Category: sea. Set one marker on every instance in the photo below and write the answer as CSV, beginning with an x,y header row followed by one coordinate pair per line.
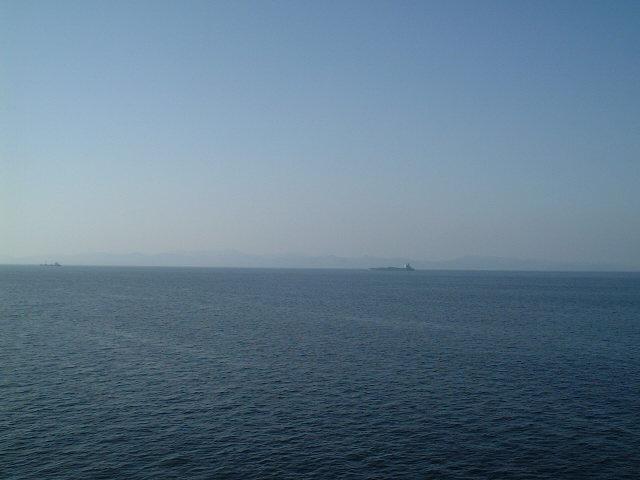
x,y
198,373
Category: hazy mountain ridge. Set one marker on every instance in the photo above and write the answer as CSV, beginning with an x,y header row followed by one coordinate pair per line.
x,y
232,258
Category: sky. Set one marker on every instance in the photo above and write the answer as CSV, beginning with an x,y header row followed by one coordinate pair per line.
x,y
423,129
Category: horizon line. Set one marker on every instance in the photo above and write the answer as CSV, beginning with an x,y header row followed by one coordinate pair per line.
x,y
231,267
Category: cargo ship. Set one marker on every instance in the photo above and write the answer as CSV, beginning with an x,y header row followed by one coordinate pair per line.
x,y
407,268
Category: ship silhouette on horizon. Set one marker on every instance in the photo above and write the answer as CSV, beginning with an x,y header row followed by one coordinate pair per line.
x,y
407,268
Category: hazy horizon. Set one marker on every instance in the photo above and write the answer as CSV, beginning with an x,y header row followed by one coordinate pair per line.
x,y
422,130
237,259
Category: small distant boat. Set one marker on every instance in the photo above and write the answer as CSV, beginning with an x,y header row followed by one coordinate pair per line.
x,y
407,268
54,264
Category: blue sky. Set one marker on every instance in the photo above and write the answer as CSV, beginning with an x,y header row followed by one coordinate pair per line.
x,y
420,129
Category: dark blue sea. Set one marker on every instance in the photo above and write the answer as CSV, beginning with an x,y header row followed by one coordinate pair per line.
x,y
154,373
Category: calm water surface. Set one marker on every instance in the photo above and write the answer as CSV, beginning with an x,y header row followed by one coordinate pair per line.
x,y
145,373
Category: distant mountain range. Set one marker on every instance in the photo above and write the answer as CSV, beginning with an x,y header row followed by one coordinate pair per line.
x,y
231,258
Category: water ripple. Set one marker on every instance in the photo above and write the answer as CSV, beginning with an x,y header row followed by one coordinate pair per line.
x,y
204,373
